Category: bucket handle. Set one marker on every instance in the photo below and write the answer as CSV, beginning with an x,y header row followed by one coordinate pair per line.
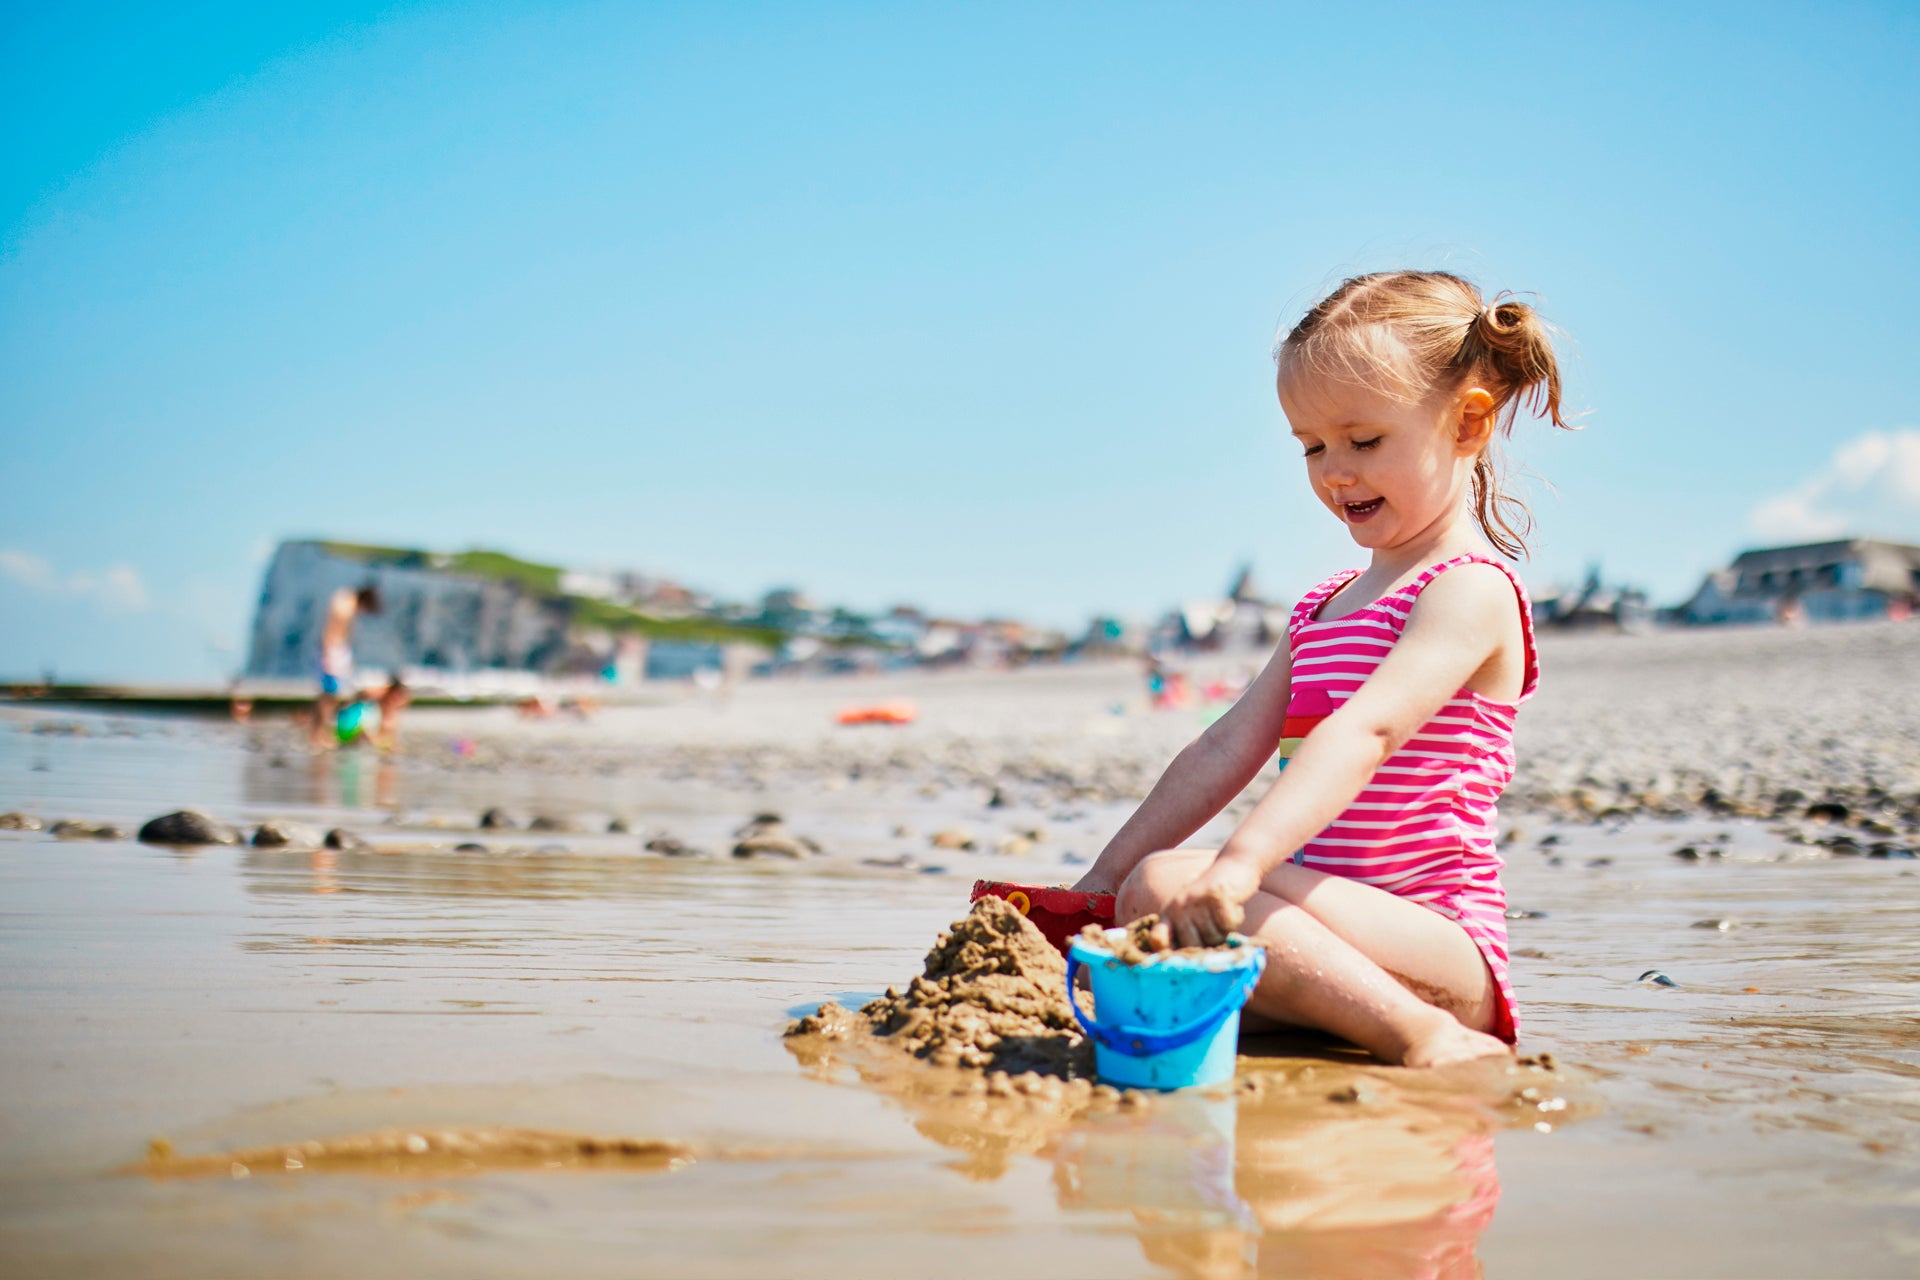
x,y
1141,1042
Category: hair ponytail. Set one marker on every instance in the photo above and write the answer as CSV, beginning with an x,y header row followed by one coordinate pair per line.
x,y
1445,334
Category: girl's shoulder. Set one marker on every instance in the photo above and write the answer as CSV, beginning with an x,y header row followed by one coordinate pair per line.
x,y
1485,590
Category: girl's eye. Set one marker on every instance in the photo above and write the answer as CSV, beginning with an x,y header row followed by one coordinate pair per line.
x,y
1366,444
1313,449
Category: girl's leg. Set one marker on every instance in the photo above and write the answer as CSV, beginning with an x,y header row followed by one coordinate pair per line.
x,y
1393,977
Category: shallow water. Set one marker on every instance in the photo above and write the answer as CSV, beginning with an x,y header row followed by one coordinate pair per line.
x,y
1759,1118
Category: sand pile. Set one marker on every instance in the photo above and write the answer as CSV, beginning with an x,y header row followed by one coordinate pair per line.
x,y
992,998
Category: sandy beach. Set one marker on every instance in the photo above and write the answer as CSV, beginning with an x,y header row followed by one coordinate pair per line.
x,y
573,1043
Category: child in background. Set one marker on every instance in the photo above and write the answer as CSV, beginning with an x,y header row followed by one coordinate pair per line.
x,y
1369,869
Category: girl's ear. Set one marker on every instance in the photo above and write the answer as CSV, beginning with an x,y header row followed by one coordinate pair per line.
x,y
1473,428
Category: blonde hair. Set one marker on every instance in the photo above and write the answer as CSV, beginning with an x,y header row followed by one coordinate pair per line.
x,y
1416,332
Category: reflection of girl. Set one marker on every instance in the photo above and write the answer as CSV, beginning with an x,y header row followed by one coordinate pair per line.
x,y
1369,867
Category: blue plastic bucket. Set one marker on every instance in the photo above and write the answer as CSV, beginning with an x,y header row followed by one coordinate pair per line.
x,y
1170,1022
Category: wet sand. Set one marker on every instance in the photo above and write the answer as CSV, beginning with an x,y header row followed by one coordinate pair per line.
x,y
1759,1118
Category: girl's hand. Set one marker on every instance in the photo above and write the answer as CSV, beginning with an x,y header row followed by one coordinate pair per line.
x,y
1211,907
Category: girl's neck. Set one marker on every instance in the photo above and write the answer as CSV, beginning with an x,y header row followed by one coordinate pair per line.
x,y
1450,536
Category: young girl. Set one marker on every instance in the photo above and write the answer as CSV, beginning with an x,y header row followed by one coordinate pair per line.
x,y
1368,869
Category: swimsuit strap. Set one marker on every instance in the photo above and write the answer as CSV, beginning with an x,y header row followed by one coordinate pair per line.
x,y
1310,603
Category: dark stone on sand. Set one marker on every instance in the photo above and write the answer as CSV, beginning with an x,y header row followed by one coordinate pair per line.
x,y
1550,839
1717,925
1655,978
341,838
767,837
498,820
672,847
1886,850
898,862
998,800
1828,811
20,822
1599,862
618,827
188,826
70,829
1517,913
470,847
547,822
280,833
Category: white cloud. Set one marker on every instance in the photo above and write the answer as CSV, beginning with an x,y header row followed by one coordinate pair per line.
x,y
116,589
1871,484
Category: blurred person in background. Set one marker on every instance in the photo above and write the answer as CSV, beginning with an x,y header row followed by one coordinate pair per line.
x,y
344,608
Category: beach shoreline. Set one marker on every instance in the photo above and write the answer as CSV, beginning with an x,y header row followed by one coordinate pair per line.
x,y
1754,1118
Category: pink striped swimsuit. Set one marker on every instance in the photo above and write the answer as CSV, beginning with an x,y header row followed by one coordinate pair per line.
x,y
1424,826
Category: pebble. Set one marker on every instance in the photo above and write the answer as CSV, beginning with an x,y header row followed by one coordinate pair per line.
x,y
1721,925
347,841
20,822
69,829
281,833
188,826
953,838
498,820
1655,978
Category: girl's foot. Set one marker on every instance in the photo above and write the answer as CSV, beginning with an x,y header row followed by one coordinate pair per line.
x,y
1450,1042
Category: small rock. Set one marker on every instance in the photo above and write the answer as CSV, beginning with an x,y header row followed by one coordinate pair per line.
x,y
1517,913
547,822
758,822
671,847
20,822
1552,838
1720,925
767,837
1687,853
1827,811
953,838
1655,978
188,826
1599,862
470,846
343,839
998,800
1531,953
618,827
498,820
68,829
282,833
1075,859
898,862
1350,1093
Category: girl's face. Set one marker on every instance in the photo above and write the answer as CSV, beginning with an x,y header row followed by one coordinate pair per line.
x,y
1390,470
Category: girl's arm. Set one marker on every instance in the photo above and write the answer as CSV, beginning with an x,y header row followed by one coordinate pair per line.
x,y
1212,769
1462,623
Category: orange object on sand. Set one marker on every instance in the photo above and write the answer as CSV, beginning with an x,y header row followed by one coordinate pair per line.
x,y
880,713
1058,913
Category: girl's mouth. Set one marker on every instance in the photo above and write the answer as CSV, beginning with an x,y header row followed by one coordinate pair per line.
x,y
1361,512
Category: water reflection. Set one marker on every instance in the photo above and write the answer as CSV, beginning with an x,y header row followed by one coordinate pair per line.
x,y
1231,1187
1323,1166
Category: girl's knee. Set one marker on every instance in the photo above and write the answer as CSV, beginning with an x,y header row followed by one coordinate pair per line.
x,y
1154,881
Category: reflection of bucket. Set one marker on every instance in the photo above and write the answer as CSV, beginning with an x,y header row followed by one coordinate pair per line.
x,y
1169,1022
1175,1163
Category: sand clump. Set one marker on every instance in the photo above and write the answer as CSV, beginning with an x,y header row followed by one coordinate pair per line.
x,y
1137,943
992,998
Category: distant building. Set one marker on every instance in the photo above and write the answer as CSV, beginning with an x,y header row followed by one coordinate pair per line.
x,y
1820,581
470,612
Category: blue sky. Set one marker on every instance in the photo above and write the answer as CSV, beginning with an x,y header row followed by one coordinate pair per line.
x,y
969,305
